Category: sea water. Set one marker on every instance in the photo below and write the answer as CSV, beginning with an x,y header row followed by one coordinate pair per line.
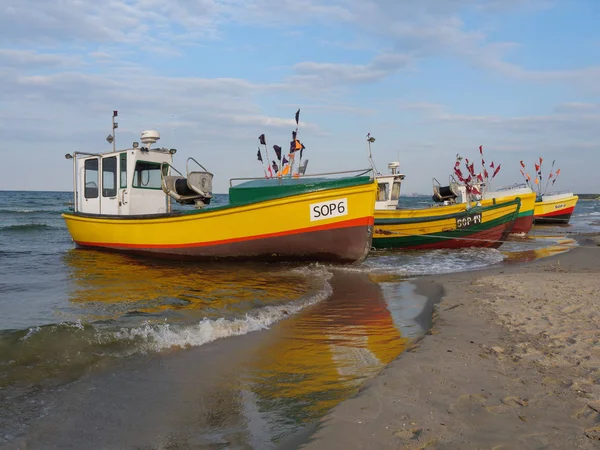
x,y
102,350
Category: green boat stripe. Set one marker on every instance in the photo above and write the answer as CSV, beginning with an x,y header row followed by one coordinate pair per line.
x,y
274,188
526,213
474,210
421,239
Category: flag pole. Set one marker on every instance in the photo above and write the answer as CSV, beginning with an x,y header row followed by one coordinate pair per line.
x,y
277,150
259,156
293,154
484,172
263,140
541,161
548,182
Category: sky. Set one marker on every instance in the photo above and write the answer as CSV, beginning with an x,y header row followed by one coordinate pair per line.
x,y
428,79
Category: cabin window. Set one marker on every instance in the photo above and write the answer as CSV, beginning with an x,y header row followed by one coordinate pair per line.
x,y
91,178
109,177
396,190
146,175
123,170
382,192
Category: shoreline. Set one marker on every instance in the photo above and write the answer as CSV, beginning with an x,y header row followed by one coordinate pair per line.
x,y
512,361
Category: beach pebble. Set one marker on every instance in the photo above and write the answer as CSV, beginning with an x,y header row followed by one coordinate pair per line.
x,y
409,434
515,401
593,433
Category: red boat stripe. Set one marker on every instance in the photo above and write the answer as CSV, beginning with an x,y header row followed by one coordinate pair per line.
x,y
558,212
363,221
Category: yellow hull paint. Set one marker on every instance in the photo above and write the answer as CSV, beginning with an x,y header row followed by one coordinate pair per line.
x,y
557,210
221,227
525,220
436,227
527,202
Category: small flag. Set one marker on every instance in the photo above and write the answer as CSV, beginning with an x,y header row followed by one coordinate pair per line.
x,y
472,169
480,177
301,150
277,149
537,168
259,156
541,160
115,113
522,164
275,168
481,150
297,116
270,171
557,172
284,162
492,165
485,173
295,145
550,176
537,181
261,139
496,171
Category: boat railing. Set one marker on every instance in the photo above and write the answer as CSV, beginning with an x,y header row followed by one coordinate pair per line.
x,y
357,172
187,165
513,186
558,193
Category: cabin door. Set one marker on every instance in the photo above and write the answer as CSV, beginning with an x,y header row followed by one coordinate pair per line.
x,y
123,193
109,203
89,182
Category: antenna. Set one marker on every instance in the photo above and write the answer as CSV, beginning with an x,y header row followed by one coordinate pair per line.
x,y
370,140
115,125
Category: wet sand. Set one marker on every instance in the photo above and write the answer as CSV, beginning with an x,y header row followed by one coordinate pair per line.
x,y
512,361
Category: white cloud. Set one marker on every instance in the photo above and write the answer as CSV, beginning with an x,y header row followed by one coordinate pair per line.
x,y
327,75
31,59
577,107
65,66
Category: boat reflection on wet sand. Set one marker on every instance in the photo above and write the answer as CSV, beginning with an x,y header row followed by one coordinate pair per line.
x,y
247,390
550,245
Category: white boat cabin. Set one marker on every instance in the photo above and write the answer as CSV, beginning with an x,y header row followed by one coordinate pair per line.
x,y
388,188
456,192
134,181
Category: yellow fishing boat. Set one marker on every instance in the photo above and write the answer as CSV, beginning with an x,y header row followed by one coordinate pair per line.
x,y
468,223
123,202
555,208
551,207
452,226
478,186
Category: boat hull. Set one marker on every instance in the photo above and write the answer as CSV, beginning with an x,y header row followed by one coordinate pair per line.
x,y
556,210
524,221
277,229
445,227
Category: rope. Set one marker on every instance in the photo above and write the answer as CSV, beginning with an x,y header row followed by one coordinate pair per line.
x,y
494,241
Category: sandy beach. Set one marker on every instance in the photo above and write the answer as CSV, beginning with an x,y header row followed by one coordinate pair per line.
x,y
512,362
